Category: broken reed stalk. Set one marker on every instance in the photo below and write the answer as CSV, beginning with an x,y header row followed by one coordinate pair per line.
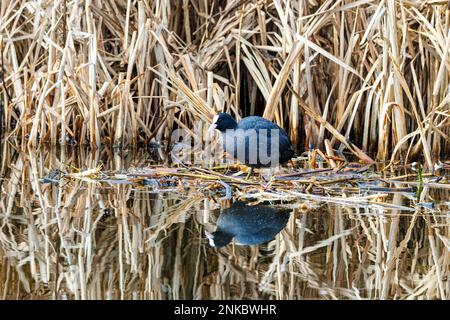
x,y
375,73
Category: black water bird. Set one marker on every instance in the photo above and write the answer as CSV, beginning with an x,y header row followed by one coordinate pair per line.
x,y
254,141
248,225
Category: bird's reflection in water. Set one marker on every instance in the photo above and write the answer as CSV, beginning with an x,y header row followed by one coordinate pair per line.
x,y
248,225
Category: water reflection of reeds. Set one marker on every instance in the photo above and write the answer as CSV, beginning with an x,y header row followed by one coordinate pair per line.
x,y
87,240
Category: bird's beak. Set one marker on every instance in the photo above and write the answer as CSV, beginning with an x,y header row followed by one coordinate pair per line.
x,y
211,128
210,238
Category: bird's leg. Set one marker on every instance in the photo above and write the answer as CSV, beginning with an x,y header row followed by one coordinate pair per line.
x,y
272,172
250,172
270,175
292,163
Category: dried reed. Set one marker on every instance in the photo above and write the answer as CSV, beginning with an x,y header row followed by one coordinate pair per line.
x,y
76,237
371,76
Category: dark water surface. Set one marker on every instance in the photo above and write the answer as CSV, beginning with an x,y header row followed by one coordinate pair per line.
x,y
105,238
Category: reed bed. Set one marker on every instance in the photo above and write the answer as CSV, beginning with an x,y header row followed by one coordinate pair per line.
x,y
361,81
87,235
368,76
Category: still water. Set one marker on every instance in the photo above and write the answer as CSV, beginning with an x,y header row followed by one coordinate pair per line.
x,y
119,238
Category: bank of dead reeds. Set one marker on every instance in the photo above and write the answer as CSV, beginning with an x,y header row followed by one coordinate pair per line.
x,y
371,76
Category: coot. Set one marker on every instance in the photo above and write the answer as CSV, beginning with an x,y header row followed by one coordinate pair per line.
x,y
248,225
254,141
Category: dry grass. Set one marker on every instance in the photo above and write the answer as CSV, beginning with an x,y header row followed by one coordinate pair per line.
x,y
78,238
370,76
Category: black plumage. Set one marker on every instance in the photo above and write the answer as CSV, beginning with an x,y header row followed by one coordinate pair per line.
x,y
254,141
248,225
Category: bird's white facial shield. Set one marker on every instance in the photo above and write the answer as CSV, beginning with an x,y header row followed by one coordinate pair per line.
x,y
213,126
210,238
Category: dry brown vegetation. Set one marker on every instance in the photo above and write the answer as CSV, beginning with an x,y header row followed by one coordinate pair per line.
x,y
76,238
371,76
